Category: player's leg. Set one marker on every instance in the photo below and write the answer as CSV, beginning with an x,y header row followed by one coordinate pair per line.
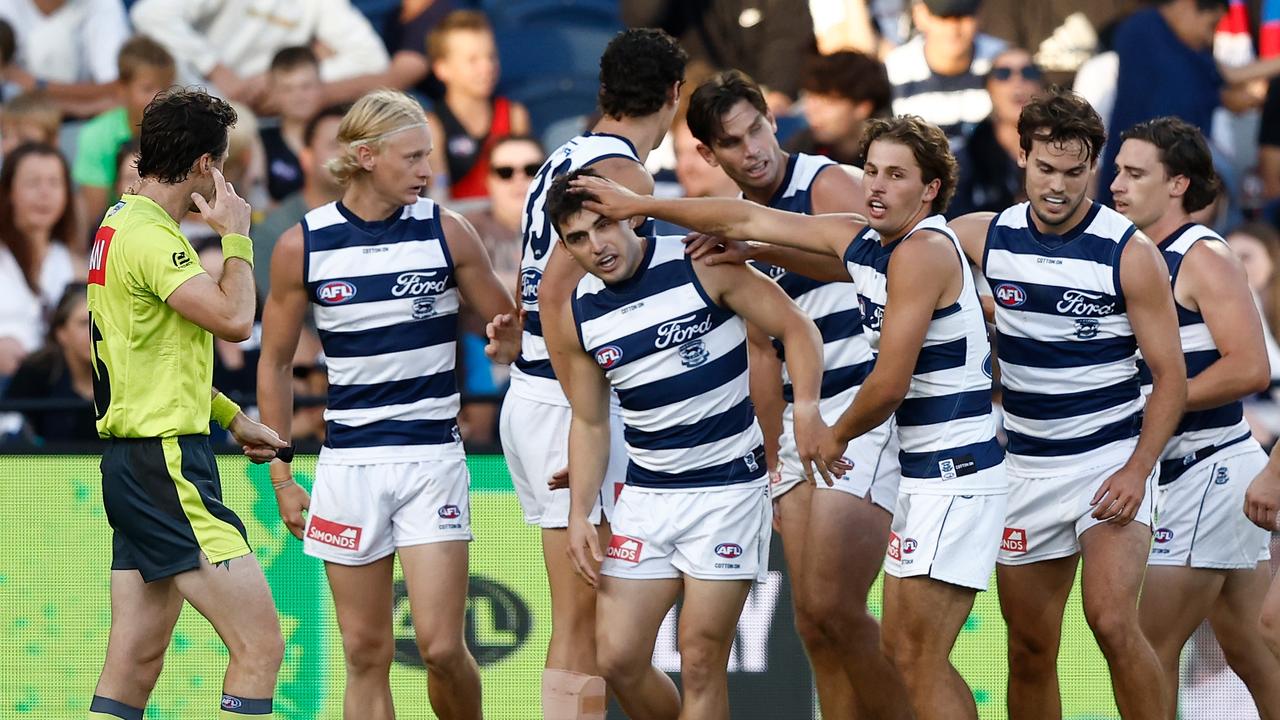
x,y
835,692
362,601
436,576
922,619
142,618
844,549
234,597
1033,598
571,683
629,613
1234,618
1115,559
1175,600
708,621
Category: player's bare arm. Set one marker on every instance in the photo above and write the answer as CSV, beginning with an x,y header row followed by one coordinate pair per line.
x,y
922,276
224,308
1262,500
971,230
588,393
764,375
729,218
281,325
562,273
760,302
481,287
1212,281
1144,280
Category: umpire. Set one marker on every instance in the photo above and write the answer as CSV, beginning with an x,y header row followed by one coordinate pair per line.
x,y
153,316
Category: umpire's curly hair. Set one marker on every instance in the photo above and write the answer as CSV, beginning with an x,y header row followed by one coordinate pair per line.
x,y
637,70
178,127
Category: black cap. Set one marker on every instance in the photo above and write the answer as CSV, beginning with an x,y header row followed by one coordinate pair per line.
x,y
952,8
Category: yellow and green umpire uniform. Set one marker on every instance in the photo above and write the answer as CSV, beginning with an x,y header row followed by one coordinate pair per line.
x,y
153,371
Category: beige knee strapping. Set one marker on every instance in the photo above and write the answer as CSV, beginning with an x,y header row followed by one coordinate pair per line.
x,y
570,695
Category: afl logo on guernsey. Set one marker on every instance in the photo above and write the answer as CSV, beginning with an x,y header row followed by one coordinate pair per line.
x,y
729,550
608,356
1010,295
335,292
529,281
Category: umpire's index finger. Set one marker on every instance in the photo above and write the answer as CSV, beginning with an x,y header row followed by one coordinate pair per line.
x,y
219,183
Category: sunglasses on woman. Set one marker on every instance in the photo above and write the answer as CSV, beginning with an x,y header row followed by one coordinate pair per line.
x,y
506,172
1028,72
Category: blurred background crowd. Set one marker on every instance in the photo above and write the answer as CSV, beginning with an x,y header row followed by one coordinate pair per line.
x,y
506,80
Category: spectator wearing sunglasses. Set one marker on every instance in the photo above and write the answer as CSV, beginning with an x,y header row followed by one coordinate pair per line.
x,y
990,179
511,163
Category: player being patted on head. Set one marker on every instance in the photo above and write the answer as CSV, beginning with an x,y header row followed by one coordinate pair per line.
x,y
694,517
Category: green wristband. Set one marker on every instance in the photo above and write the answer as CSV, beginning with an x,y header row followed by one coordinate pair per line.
x,y
223,409
237,246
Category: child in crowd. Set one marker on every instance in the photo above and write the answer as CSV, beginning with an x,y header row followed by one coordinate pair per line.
x,y
464,56
295,90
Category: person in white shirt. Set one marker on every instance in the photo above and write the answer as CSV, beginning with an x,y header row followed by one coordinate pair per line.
x,y
230,43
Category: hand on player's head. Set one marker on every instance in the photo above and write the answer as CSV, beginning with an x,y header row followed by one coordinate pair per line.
x,y
605,197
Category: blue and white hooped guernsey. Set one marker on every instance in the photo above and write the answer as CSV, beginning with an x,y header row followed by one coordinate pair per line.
x,y
678,362
1201,432
946,428
386,308
532,376
1068,357
833,306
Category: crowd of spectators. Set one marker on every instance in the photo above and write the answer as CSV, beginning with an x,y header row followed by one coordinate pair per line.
x,y
505,80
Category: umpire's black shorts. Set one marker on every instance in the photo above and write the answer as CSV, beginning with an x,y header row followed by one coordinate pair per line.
x,y
164,502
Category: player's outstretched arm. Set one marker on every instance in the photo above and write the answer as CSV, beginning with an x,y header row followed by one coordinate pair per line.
x,y
224,308
921,269
971,230
281,325
1216,283
760,302
729,218
1144,280
588,392
482,288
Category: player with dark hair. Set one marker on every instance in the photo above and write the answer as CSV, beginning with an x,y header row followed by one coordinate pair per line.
x,y
640,75
834,542
1208,561
153,316
667,334
1078,292
923,316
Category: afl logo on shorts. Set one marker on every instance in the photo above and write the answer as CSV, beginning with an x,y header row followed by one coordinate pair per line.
x,y
335,292
608,356
729,550
1164,535
1009,295
449,512
909,546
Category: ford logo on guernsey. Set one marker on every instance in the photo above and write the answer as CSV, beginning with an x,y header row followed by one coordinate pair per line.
x,y
675,332
1010,295
608,356
449,511
729,550
530,278
335,292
